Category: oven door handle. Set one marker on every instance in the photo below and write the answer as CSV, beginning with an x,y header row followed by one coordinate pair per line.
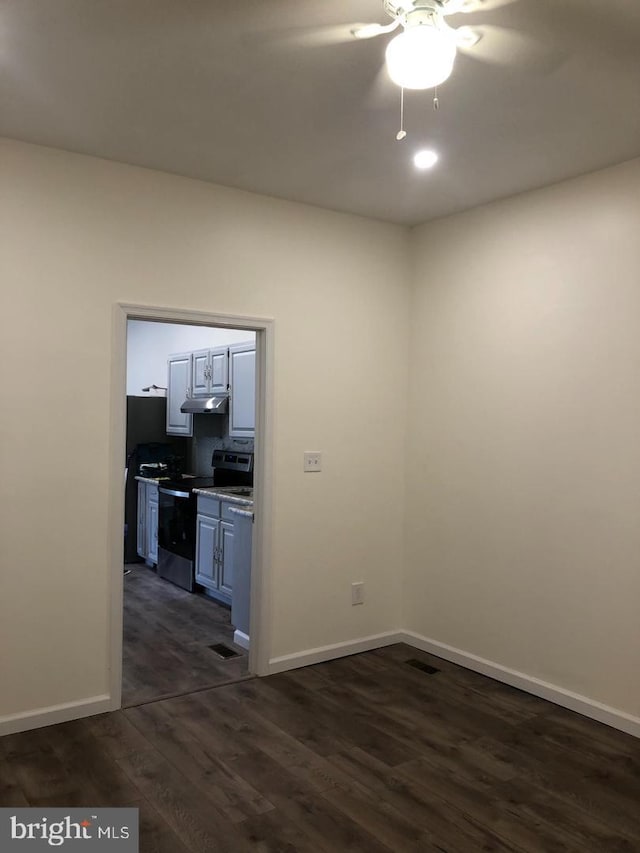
x,y
174,493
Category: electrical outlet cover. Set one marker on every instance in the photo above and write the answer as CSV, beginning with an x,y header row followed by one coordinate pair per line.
x,y
312,460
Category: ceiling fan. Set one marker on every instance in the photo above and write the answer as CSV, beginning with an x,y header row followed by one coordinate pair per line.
x,y
423,54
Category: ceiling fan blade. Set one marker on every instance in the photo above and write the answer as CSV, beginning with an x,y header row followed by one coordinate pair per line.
x,y
327,36
369,31
470,7
502,46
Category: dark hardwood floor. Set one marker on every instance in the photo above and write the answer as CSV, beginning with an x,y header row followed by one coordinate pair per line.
x,y
367,753
167,634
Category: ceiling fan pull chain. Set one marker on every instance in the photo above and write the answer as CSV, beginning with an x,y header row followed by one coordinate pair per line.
x,y
436,101
402,133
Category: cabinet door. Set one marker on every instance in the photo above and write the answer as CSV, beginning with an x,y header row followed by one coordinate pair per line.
x,y
219,364
142,520
207,537
242,400
152,523
178,381
240,604
226,557
200,382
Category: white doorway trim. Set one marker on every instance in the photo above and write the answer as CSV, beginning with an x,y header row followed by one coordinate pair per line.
x,y
260,620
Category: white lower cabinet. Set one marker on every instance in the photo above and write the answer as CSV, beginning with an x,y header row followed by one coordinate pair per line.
x,y
226,558
142,520
207,530
240,607
214,548
152,523
148,521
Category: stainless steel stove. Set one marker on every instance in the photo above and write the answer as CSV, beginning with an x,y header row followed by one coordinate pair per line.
x,y
177,513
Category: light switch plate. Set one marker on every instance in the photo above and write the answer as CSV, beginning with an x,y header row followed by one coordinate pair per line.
x,y
357,592
312,460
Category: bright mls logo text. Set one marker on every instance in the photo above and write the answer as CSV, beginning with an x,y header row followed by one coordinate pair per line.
x,y
104,829
56,833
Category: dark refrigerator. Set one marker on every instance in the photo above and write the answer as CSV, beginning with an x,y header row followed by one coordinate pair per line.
x,y
147,441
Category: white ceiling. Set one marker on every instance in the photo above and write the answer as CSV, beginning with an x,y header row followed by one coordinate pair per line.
x,y
250,94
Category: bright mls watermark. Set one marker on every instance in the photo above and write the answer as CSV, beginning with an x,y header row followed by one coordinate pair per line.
x,y
33,830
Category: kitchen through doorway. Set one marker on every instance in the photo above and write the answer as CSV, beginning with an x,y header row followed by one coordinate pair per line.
x,y
189,507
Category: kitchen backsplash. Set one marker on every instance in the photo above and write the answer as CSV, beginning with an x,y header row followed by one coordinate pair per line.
x,y
206,439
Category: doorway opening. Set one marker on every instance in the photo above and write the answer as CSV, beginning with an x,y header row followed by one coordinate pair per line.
x,y
192,580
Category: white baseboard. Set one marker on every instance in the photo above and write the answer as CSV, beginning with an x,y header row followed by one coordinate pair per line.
x,y
337,650
241,639
558,695
26,721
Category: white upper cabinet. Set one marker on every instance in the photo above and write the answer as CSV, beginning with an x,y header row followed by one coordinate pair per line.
x,y
242,389
200,373
210,372
178,389
219,370
214,372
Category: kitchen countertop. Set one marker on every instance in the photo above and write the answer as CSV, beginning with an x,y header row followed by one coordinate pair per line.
x,y
243,511
243,504
225,495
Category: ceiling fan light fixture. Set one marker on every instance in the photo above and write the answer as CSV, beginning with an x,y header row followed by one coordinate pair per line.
x,y
421,57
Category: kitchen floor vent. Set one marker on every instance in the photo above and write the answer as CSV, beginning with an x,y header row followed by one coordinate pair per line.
x,y
223,651
422,666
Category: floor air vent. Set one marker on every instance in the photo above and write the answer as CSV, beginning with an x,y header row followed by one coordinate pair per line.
x,y
224,651
422,666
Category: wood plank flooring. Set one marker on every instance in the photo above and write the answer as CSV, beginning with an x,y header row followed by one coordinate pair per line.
x,y
365,754
167,634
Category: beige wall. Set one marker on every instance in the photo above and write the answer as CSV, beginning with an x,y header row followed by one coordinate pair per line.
x,y
522,528
80,234
523,525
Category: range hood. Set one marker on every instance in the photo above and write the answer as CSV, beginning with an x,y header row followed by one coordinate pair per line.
x,y
205,405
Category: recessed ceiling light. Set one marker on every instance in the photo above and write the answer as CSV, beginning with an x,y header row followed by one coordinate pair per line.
x,y
425,159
